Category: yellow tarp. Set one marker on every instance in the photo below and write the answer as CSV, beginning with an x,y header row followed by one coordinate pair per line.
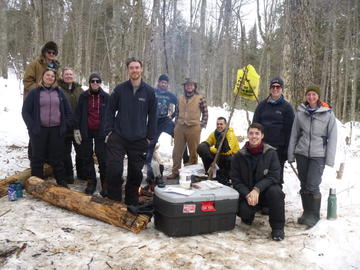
x,y
251,84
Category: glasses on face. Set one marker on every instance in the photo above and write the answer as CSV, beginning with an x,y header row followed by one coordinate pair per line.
x,y
275,87
51,52
95,81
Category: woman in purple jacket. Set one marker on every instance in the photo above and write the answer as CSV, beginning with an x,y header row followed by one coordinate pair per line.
x,y
47,115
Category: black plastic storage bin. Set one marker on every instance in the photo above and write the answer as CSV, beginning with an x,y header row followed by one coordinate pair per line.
x,y
204,211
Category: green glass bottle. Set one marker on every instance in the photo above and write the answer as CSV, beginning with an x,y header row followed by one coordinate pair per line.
x,y
332,204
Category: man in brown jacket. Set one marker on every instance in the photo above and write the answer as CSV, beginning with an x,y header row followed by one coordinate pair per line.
x,y
191,107
35,69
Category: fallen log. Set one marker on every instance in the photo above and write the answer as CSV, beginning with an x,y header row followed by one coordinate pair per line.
x,y
20,177
106,210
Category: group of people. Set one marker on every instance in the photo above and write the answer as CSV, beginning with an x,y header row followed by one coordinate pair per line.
x,y
59,114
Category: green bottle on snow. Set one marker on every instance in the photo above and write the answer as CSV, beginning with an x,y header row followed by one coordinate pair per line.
x,y
332,204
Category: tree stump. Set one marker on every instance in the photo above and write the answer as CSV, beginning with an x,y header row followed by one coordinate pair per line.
x,y
20,177
106,210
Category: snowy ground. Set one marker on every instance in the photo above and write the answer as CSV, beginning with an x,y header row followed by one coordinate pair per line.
x,y
54,238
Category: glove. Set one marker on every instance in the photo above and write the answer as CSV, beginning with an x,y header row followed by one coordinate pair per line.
x,y
107,137
77,136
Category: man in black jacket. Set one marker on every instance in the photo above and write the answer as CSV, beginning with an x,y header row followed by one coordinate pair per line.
x,y
255,174
130,125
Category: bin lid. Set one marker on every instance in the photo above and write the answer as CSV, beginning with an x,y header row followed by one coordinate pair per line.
x,y
217,194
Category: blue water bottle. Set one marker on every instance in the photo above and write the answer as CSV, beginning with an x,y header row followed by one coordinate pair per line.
x,y
19,190
12,192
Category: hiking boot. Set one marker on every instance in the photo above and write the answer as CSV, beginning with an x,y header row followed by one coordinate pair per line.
x,y
172,176
70,179
277,234
91,187
247,221
62,183
190,163
159,181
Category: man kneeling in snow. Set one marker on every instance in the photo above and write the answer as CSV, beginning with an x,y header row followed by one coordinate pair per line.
x,y
255,174
208,149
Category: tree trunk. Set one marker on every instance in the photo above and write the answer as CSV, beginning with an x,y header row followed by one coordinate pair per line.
x,y
106,210
20,177
3,40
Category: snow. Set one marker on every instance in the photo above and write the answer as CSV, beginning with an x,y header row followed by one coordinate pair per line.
x,y
54,238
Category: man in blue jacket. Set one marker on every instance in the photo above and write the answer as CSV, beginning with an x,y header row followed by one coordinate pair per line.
x,y
130,126
164,119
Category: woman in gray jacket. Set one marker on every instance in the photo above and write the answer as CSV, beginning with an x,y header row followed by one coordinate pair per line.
x,y
313,145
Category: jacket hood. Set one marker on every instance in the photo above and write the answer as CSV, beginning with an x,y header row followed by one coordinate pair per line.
x,y
321,109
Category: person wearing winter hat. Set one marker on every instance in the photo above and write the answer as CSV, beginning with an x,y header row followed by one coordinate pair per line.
x,y
35,69
165,102
90,132
313,145
277,116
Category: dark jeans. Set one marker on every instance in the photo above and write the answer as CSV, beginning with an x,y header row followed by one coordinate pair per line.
x,y
68,164
87,152
224,162
47,146
116,149
273,197
310,171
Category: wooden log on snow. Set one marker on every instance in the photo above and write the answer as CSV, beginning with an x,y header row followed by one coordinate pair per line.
x,y
20,177
106,210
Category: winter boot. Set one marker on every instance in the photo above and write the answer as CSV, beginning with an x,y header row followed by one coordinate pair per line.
x,y
277,234
159,181
91,187
305,199
314,210
62,183
103,191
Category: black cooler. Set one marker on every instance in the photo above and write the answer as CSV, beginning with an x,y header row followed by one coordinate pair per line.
x,y
204,211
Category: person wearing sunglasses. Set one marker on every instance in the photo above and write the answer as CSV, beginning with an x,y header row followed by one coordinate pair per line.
x,y
34,71
277,117
90,132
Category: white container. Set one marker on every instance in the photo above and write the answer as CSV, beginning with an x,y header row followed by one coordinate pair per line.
x,y
185,181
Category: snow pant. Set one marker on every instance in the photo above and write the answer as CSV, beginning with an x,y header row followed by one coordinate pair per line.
x,y
310,170
183,135
282,155
274,197
68,164
48,146
116,149
87,152
224,161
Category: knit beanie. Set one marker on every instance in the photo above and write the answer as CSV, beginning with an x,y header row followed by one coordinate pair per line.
x,y
164,77
313,88
94,75
51,45
277,80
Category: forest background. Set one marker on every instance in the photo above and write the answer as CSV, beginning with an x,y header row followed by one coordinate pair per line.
x,y
303,41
